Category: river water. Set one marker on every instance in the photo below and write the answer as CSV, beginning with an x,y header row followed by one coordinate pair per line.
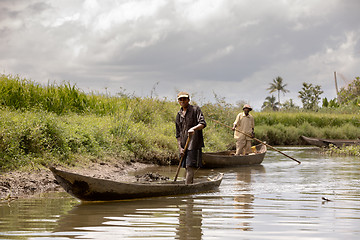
x,y
276,200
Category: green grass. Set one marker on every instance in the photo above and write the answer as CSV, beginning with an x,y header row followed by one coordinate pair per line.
x,y
347,151
44,138
61,124
285,128
318,120
23,94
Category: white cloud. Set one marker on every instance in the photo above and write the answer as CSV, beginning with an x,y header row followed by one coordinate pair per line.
x,y
60,21
198,11
220,53
129,11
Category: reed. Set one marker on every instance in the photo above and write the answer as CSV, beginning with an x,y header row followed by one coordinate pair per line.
x,y
318,120
23,94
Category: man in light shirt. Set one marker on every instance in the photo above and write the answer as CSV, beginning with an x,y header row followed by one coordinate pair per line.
x,y
244,122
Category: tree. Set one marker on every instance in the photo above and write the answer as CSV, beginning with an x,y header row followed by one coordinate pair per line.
x,y
330,104
351,93
277,85
270,103
325,103
289,105
310,96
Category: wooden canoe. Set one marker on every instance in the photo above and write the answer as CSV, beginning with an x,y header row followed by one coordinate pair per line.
x,y
326,142
88,188
229,159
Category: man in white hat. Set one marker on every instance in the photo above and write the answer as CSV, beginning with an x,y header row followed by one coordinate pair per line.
x,y
190,121
244,122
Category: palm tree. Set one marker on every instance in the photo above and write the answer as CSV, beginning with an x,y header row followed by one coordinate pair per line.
x,y
277,85
270,103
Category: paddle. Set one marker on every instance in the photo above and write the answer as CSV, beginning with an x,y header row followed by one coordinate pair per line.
x,y
182,157
257,141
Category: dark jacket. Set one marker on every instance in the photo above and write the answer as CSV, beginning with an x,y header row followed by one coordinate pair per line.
x,y
193,117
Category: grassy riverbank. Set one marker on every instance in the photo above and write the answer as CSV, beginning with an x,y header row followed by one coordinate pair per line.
x,y
38,137
61,124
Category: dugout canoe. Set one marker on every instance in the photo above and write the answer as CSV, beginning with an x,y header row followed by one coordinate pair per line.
x,y
229,159
319,142
88,188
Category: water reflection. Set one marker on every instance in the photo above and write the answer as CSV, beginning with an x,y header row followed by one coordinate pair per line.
x,y
89,215
245,200
178,215
25,214
190,220
33,215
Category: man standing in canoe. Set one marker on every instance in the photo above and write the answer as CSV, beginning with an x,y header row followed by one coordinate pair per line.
x,y
190,121
244,122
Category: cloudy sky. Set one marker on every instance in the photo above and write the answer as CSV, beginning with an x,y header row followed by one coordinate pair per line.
x,y
234,48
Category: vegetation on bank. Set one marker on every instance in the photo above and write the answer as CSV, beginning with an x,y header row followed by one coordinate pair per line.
x,y
352,150
42,138
285,128
61,124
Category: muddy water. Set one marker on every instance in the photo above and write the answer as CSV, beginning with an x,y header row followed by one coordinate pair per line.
x,y
276,200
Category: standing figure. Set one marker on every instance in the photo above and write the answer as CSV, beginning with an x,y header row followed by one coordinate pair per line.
x,y
190,121
244,122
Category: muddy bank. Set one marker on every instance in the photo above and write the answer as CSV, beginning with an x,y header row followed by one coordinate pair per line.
x,y
18,184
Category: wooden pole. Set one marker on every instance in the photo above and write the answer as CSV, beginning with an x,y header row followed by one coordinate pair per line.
x,y
336,87
264,143
182,157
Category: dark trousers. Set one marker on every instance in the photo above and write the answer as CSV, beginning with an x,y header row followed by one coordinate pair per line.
x,y
192,158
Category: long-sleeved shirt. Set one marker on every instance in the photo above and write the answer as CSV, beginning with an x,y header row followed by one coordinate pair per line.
x,y
244,124
193,116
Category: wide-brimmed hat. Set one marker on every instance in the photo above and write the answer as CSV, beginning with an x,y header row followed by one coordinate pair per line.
x,y
247,106
183,95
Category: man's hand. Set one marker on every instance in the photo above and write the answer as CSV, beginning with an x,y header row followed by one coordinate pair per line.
x,y
191,131
182,152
